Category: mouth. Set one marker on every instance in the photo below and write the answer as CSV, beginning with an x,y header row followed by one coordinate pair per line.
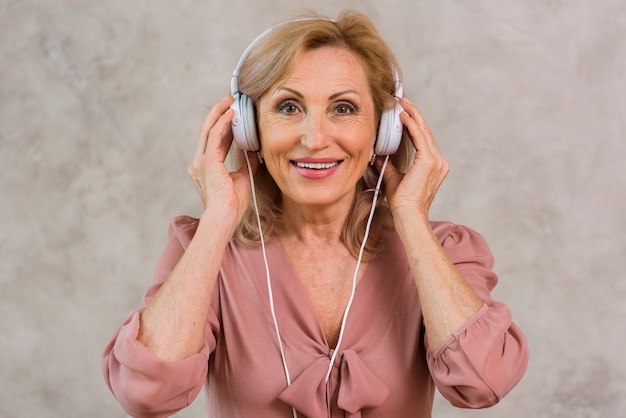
x,y
316,166
316,169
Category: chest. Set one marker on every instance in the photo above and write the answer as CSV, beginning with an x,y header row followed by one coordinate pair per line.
x,y
328,283
385,329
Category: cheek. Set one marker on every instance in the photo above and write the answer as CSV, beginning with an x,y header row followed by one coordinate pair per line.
x,y
365,127
275,144
272,136
364,139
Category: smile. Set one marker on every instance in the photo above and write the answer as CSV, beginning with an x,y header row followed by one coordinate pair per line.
x,y
316,166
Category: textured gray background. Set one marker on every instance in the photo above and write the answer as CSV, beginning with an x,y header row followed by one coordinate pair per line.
x,y
100,105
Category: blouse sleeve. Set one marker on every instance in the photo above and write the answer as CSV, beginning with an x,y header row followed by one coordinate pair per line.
x,y
485,358
143,384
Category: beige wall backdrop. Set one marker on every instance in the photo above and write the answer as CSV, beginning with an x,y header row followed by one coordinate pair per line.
x,y
100,105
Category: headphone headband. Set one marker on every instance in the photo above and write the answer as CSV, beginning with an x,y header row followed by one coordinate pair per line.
x,y
234,81
244,124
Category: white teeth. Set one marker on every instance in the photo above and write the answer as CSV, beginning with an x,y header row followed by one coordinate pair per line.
x,y
316,166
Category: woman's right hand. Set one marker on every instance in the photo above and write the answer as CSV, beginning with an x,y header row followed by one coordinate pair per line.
x,y
173,323
222,192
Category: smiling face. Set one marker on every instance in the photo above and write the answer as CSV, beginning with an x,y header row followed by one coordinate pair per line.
x,y
317,128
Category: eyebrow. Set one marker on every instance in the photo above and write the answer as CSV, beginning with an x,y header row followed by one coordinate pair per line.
x,y
332,96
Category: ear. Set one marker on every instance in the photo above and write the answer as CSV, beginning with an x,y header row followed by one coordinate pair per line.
x,y
373,155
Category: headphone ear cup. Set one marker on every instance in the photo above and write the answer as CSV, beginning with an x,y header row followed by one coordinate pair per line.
x,y
389,132
244,123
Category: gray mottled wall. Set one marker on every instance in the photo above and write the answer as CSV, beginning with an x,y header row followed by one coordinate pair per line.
x,y
100,105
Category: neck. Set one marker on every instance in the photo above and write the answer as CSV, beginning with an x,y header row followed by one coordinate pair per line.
x,y
313,225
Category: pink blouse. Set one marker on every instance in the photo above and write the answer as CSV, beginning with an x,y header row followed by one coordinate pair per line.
x,y
384,368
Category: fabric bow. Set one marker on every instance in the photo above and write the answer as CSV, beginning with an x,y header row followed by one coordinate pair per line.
x,y
358,388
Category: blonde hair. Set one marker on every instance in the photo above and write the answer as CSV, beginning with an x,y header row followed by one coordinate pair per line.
x,y
273,59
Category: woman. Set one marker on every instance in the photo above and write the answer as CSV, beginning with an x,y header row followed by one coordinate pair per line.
x,y
338,324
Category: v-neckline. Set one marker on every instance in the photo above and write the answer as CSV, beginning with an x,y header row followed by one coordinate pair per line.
x,y
384,279
308,309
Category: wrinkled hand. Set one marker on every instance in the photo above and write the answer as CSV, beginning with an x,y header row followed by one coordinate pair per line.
x,y
221,191
416,189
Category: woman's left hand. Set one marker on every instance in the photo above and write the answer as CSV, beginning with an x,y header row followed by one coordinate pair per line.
x,y
446,298
415,190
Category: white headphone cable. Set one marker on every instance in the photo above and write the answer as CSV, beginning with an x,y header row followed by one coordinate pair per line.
x,y
269,282
356,271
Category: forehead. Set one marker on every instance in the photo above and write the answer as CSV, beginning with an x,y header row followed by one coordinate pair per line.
x,y
327,68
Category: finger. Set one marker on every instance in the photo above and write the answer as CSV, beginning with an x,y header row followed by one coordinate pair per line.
x,y
211,119
221,136
422,137
414,118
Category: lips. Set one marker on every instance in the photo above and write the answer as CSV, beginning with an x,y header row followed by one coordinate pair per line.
x,y
316,166
316,169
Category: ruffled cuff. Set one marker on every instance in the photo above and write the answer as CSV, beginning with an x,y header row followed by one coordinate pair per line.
x,y
482,361
148,386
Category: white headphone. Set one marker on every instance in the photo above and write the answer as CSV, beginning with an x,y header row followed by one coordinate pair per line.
x,y
244,120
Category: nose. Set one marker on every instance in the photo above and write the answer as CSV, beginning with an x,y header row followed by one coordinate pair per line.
x,y
316,131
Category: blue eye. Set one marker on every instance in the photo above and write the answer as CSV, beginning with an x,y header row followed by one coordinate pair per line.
x,y
288,106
